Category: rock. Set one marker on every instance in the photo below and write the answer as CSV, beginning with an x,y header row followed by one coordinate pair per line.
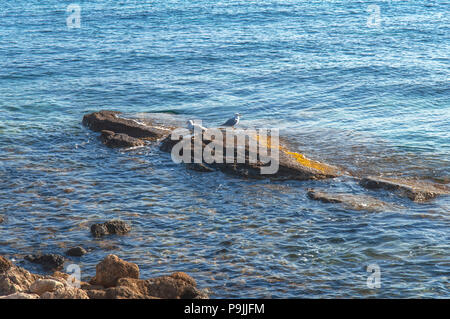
x,y
48,261
114,140
110,121
5,264
44,285
125,293
2,219
291,165
112,268
175,286
14,279
199,167
350,201
415,190
20,295
65,292
114,227
96,294
76,251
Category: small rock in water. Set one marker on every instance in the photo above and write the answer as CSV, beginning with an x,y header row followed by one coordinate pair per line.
x,y
351,201
49,261
2,219
416,190
111,139
76,251
114,227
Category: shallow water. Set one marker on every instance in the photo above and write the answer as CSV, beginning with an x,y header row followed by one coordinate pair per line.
x,y
371,100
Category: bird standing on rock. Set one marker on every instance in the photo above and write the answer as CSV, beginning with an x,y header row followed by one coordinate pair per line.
x,y
192,126
233,121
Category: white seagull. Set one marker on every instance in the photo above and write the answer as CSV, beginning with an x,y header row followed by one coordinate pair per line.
x,y
192,126
233,121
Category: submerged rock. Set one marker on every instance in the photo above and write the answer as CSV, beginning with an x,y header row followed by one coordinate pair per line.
x,y
48,261
112,268
114,140
351,201
114,227
415,190
76,251
110,121
2,219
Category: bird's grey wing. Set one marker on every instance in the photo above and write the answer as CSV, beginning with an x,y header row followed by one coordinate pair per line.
x,y
230,122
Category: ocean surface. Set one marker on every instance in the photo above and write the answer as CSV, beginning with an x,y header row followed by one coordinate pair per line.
x,y
345,86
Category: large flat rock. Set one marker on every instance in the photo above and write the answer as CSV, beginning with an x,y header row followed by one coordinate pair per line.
x,y
416,190
291,165
111,121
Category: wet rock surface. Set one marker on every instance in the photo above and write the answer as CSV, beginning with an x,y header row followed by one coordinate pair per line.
x,y
76,251
111,121
2,219
291,165
114,279
48,261
350,201
114,140
114,227
418,191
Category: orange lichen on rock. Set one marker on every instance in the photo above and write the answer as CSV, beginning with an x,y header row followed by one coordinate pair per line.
x,y
300,158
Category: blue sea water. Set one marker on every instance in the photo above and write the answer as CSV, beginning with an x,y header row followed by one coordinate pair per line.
x,y
345,86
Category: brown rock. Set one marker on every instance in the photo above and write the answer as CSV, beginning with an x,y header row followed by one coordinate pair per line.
x,y
185,277
350,201
114,140
43,285
112,268
110,121
20,295
177,286
96,294
15,279
122,292
2,219
66,292
291,165
5,264
415,190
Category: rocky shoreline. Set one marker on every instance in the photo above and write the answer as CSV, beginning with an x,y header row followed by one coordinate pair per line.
x,y
118,279
114,279
117,131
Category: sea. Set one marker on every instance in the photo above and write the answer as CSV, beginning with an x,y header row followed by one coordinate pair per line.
x,y
362,85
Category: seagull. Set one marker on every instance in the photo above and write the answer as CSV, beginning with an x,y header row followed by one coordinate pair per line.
x,y
233,121
192,126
